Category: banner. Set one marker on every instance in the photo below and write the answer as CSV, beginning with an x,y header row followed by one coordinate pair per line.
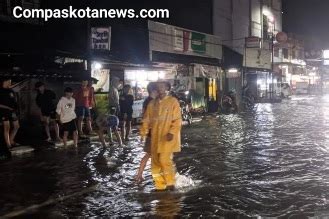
x,y
258,58
253,42
179,40
198,42
101,38
170,39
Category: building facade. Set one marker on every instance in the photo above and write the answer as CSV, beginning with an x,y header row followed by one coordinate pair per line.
x,y
249,27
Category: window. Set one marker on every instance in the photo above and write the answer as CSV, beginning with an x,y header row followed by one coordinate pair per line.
x,y
268,28
265,27
293,55
276,52
285,53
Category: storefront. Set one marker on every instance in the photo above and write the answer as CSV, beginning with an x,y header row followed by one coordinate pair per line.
x,y
139,79
301,78
263,82
197,56
263,85
205,80
233,80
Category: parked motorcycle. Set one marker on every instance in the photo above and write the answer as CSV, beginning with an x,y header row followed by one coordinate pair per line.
x,y
185,108
248,101
185,111
285,91
228,103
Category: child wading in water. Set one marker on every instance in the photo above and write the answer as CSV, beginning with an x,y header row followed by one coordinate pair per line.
x,y
108,123
152,90
67,117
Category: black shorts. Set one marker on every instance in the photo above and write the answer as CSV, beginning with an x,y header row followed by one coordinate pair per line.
x,y
70,126
8,115
126,116
49,113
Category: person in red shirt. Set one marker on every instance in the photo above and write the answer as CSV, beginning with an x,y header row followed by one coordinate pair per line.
x,y
84,97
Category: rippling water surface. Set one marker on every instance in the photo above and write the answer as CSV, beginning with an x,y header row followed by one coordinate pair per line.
x,y
270,162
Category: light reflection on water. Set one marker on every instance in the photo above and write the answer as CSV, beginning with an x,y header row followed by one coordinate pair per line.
x,y
270,162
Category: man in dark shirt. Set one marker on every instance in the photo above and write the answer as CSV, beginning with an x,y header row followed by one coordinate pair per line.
x,y
45,100
8,112
126,102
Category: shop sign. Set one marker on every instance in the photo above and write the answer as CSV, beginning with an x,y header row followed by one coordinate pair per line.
x,y
281,37
187,40
181,40
253,42
258,58
101,38
198,42
170,39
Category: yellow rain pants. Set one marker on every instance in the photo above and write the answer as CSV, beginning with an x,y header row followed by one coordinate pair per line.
x,y
163,117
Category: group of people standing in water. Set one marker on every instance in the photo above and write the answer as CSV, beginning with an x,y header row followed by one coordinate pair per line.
x,y
160,129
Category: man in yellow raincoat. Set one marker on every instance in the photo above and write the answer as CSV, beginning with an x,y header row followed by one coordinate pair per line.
x,y
163,120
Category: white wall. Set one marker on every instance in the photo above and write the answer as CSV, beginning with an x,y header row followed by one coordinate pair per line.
x,y
222,21
241,23
232,19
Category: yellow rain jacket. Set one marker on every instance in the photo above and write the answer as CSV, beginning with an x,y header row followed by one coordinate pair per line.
x,y
163,117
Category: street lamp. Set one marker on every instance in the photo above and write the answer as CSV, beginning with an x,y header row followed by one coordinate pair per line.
x,y
233,70
98,66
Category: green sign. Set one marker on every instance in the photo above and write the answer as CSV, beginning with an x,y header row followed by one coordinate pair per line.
x,y
198,42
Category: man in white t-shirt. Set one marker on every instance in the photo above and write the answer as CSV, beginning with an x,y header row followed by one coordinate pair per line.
x,y
67,117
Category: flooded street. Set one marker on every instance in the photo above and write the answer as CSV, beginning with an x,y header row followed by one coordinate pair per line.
x,y
270,162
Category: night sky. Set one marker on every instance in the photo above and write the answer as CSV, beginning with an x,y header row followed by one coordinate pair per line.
x,y
307,17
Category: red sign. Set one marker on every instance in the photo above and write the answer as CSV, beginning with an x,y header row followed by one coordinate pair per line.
x,y
253,42
281,37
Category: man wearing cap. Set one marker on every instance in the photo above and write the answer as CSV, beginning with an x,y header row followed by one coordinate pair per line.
x,y
163,118
8,112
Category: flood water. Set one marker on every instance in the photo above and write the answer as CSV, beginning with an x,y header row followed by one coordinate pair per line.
x,y
270,162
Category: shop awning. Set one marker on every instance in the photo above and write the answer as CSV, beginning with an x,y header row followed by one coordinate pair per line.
x,y
53,65
183,59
